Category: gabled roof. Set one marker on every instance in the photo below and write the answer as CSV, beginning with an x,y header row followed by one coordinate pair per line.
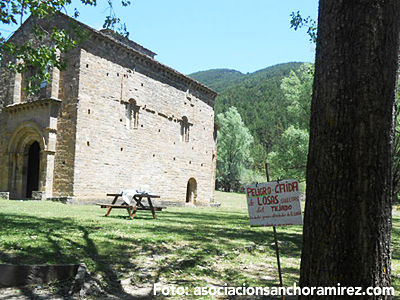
x,y
139,50
113,35
147,55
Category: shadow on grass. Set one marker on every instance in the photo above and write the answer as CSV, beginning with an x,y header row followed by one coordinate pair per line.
x,y
54,234
229,227
203,233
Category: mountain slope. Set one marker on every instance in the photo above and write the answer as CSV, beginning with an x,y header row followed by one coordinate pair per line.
x,y
257,96
218,79
259,100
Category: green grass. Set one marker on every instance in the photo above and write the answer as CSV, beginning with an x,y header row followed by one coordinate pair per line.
x,y
188,246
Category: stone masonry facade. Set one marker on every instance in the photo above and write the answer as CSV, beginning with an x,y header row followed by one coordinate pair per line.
x,y
114,119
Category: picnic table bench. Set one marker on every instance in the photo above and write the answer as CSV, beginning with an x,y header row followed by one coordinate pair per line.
x,y
133,208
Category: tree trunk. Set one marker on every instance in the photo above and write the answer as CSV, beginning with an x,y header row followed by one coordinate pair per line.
x,y
347,223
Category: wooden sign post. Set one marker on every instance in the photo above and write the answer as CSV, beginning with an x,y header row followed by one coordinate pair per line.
x,y
276,243
274,203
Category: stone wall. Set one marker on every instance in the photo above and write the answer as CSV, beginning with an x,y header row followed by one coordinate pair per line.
x,y
111,154
117,119
64,162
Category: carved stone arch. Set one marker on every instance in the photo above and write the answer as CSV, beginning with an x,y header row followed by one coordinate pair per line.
x,y
20,156
25,134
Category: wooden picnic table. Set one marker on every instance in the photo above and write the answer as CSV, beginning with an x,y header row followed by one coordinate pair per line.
x,y
133,208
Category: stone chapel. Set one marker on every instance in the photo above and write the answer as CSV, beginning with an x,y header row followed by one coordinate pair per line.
x,y
115,118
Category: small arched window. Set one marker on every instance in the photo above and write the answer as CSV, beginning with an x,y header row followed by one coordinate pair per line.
x,y
132,114
185,129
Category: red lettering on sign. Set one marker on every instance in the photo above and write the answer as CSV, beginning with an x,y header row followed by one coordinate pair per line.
x,y
287,187
267,200
281,207
253,192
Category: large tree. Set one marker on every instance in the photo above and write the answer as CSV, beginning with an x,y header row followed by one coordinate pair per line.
x,y
288,157
347,224
234,141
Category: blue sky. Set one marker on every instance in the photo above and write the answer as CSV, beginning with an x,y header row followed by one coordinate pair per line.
x,y
198,35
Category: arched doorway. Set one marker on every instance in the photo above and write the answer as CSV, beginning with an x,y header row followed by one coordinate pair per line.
x,y
26,161
32,176
191,191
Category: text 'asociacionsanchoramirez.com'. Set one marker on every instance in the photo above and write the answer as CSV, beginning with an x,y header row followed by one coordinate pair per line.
x,y
173,290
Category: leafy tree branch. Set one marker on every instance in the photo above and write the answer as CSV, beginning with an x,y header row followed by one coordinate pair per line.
x,y
37,58
298,21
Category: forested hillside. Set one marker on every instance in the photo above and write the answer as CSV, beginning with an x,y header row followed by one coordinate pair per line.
x,y
218,79
259,100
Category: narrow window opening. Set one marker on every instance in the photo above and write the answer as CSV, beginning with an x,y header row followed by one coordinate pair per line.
x,y
185,129
132,114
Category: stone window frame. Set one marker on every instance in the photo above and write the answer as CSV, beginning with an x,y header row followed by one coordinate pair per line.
x,y
132,114
185,129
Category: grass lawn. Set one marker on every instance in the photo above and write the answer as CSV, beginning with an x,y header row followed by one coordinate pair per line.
x,y
186,246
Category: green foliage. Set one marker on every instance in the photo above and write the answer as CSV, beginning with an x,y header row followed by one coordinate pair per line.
x,y
249,176
234,141
298,21
297,88
261,103
37,58
112,20
290,158
270,101
218,79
